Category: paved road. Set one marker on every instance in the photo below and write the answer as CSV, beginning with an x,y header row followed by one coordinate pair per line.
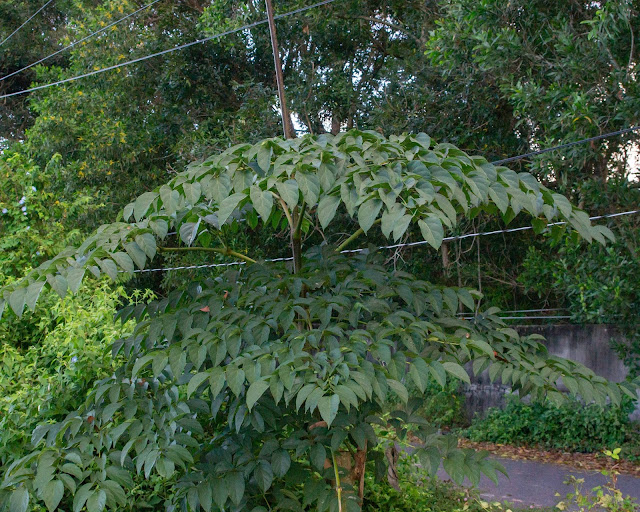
x,y
535,483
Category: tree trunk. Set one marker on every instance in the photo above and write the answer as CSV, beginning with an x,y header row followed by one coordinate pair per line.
x,y
445,256
335,125
354,465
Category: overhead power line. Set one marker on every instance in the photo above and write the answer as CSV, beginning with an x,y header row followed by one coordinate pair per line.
x,y
514,311
496,232
30,18
107,27
395,246
169,50
557,317
567,145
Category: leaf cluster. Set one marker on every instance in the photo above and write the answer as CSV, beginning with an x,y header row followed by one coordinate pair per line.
x,y
240,388
396,182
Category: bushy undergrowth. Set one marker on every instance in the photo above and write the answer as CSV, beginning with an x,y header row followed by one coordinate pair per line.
x,y
420,493
415,493
45,377
570,427
444,406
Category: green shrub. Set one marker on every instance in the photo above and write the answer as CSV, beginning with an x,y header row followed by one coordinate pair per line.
x,y
571,426
420,492
444,406
417,492
51,377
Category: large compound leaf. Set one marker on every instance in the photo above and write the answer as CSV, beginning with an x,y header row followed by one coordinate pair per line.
x,y
400,180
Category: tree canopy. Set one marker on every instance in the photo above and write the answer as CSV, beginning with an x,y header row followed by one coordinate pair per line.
x,y
395,182
205,397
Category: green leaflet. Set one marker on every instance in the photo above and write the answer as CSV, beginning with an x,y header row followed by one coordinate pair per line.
x,y
255,391
368,212
262,201
401,226
217,188
288,190
81,497
19,501
328,407
309,186
235,485
108,267
192,192
235,379
419,372
16,300
74,278
264,157
228,205
142,204
195,382
52,494
97,501
399,389
280,462
432,231
124,261
327,209
136,253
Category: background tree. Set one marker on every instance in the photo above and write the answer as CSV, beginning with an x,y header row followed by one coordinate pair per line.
x,y
387,66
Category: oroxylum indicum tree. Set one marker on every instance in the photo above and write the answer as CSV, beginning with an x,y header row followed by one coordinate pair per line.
x,y
262,388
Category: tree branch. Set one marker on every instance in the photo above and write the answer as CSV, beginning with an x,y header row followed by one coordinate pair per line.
x,y
285,209
355,235
220,250
386,23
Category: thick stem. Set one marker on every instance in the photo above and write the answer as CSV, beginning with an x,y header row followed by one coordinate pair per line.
x,y
286,211
294,230
445,257
296,238
220,250
337,474
298,225
296,243
361,463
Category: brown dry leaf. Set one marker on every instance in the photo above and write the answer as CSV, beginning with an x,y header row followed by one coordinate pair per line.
x,y
583,461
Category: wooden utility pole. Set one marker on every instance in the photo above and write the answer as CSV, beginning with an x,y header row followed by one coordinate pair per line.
x,y
286,119
298,213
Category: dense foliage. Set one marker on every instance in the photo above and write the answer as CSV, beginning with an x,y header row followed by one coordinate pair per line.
x,y
398,183
388,66
568,427
491,77
237,390
48,376
418,491
32,220
596,284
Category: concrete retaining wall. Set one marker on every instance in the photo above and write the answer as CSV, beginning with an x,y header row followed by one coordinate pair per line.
x,y
586,344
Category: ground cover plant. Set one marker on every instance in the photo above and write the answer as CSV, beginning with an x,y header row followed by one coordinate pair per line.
x,y
572,426
260,388
417,491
